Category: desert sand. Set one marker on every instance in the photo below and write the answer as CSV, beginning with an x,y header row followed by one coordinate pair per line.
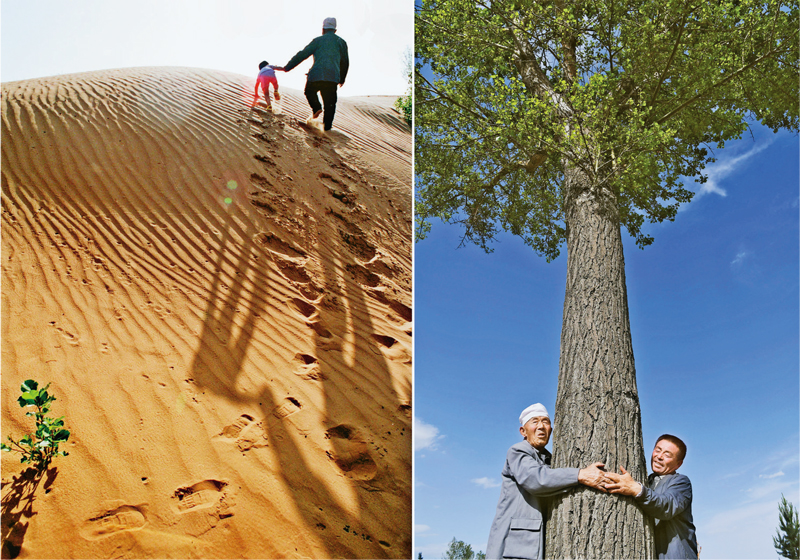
x,y
221,299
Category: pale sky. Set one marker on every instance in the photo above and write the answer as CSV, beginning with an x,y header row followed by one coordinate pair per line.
x,y
51,37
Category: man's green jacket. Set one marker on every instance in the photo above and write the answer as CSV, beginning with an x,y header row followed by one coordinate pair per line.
x,y
330,59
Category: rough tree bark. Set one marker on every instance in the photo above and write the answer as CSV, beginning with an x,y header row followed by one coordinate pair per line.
x,y
597,416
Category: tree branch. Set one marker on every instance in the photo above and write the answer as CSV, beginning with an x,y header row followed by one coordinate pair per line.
x,y
663,73
725,80
443,95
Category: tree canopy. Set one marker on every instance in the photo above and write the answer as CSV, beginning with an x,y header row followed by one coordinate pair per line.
x,y
637,93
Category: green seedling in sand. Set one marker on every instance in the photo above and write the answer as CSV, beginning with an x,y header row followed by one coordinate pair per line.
x,y
39,448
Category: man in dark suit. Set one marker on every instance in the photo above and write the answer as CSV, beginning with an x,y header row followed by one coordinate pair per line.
x,y
667,498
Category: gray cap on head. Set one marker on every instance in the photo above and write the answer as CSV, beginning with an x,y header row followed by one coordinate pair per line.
x,y
329,23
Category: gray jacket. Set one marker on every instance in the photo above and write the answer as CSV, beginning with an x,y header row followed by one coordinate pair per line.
x,y
671,506
518,527
330,59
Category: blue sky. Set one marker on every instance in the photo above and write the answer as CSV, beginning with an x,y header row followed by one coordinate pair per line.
x,y
51,37
714,318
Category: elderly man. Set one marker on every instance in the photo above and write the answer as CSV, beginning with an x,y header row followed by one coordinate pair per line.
x,y
668,498
518,527
329,70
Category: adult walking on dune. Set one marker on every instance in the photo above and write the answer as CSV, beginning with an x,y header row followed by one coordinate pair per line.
x,y
327,73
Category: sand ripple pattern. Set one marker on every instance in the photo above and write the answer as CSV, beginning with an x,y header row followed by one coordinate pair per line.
x,y
221,297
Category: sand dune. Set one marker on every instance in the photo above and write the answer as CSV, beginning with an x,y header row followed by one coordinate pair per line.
x,y
221,298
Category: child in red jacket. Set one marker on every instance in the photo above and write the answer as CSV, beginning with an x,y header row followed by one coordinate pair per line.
x,y
266,76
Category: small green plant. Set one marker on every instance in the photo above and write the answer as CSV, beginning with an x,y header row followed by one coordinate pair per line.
x,y
39,448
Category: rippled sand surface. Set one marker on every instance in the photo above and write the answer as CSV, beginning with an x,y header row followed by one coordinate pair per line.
x,y
221,298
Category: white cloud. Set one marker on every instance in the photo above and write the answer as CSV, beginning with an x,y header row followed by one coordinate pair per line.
x,y
773,475
711,186
486,482
724,167
421,529
426,436
740,256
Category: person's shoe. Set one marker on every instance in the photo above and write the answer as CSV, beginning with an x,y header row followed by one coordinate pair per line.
x,y
316,114
269,108
328,127
277,96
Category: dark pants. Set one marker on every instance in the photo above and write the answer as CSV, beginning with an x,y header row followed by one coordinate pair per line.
x,y
328,91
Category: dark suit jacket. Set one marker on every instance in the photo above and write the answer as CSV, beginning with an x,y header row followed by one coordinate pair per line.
x,y
671,506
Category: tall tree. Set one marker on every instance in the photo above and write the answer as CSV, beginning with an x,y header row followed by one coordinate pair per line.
x,y
562,122
787,541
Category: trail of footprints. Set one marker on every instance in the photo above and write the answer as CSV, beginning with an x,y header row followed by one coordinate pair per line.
x,y
350,452
209,496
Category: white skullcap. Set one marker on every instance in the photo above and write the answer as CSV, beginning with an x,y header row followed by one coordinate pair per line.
x,y
329,23
532,411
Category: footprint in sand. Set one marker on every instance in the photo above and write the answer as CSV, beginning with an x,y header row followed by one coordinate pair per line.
x,y
351,453
390,348
307,367
403,311
338,189
123,518
305,308
278,245
246,433
399,312
291,406
363,276
205,494
325,339
295,271
233,431
358,245
266,160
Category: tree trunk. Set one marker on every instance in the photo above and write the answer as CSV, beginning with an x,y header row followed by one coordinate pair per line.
x,y
597,416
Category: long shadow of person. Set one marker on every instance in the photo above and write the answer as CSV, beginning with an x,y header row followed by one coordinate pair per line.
x,y
222,350
357,410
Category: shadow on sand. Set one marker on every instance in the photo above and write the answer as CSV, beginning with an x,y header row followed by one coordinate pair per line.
x,y
226,337
17,505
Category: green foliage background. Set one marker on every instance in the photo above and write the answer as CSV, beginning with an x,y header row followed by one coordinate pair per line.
x,y
638,94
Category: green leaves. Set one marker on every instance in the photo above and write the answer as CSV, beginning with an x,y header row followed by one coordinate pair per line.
x,y
787,540
510,93
39,448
